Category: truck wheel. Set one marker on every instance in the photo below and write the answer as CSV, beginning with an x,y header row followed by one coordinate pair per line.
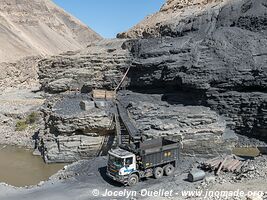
x,y
168,170
133,179
158,172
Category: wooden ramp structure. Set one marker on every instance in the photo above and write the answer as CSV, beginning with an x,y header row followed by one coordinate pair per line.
x,y
126,132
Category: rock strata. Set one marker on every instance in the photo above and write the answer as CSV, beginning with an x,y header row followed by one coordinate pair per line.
x,y
182,18
200,131
100,65
71,133
202,53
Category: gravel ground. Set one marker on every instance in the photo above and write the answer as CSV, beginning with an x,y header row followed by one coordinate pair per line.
x,y
80,180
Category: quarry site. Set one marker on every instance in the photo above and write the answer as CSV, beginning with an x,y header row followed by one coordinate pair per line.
x,y
187,85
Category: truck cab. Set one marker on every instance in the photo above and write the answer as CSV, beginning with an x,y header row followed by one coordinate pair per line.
x,y
121,164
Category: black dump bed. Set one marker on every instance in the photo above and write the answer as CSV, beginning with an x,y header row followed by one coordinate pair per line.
x,y
158,151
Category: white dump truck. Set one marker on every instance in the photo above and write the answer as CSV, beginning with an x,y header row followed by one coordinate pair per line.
x,y
130,163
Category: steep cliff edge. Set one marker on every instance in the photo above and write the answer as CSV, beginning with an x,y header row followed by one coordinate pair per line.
x,y
179,18
39,27
215,48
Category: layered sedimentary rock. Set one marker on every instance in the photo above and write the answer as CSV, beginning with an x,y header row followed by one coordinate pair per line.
x,y
213,57
221,70
200,131
180,18
71,133
101,65
39,27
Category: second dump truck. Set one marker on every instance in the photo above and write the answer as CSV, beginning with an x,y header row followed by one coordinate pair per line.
x,y
129,163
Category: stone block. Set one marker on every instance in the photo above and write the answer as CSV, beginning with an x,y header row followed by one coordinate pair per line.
x,y
87,105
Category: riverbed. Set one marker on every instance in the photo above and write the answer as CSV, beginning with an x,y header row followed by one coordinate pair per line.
x,y
18,167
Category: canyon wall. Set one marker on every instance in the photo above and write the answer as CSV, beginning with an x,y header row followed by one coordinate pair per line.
x,y
213,57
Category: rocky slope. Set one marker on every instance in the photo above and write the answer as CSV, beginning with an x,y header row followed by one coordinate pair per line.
x,y
20,74
39,27
183,17
219,63
101,64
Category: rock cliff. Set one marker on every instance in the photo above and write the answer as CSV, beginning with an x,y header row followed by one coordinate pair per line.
x,y
100,65
200,131
197,53
180,18
70,133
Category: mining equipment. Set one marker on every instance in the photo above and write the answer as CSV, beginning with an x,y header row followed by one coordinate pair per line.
x,y
135,158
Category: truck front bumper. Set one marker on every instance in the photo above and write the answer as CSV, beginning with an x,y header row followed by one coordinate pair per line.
x,y
118,178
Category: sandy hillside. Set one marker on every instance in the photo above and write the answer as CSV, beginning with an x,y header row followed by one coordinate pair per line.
x,y
39,27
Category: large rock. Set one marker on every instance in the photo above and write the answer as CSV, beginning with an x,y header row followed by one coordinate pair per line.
x,y
71,148
200,131
71,133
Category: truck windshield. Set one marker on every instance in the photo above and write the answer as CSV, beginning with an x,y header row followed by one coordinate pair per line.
x,y
118,162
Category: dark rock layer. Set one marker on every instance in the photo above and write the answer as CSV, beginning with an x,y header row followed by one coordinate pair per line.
x,y
71,133
220,62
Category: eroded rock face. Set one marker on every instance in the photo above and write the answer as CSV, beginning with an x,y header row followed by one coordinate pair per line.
x,y
71,133
201,132
71,148
100,65
215,58
181,18
222,71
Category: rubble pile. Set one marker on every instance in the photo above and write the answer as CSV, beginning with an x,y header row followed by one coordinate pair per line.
x,y
251,170
227,164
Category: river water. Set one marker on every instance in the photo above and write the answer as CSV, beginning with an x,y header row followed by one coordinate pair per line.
x,y
18,167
